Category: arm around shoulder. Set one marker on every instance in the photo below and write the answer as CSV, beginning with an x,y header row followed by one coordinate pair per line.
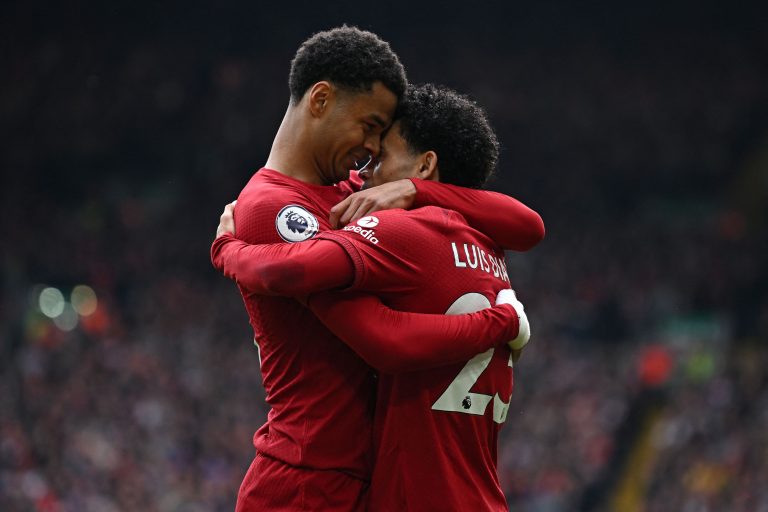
x,y
396,341
507,221
283,269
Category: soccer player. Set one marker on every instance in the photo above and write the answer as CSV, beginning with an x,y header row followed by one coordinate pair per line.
x,y
314,452
436,429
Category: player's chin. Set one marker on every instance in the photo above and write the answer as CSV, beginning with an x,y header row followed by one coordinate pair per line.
x,y
345,167
342,173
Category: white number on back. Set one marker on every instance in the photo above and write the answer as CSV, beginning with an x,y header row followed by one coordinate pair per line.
x,y
457,397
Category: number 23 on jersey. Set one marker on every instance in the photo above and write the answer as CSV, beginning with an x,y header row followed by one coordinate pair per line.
x,y
457,397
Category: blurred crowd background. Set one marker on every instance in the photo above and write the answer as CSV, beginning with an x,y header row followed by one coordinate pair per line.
x,y
128,377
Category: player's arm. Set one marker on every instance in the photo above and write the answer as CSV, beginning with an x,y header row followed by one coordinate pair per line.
x,y
507,221
395,341
390,341
277,268
283,269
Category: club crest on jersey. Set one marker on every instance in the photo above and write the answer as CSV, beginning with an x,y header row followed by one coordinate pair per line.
x,y
295,224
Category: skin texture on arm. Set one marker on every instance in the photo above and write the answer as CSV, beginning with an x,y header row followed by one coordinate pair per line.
x,y
395,194
394,341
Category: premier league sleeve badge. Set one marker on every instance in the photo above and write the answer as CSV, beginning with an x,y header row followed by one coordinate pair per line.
x,y
295,224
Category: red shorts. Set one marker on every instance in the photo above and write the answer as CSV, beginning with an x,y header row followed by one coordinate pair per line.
x,y
271,485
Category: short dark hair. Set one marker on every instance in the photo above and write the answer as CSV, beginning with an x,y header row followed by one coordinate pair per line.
x,y
439,119
349,58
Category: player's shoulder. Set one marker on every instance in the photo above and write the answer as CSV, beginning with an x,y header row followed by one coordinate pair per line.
x,y
267,186
413,228
432,216
270,205
424,217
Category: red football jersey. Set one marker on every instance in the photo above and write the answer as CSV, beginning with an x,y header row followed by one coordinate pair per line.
x,y
320,392
435,431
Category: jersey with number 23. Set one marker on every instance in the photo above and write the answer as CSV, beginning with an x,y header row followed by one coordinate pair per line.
x,y
436,430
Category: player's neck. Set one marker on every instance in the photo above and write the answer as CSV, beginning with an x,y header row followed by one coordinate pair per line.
x,y
289,153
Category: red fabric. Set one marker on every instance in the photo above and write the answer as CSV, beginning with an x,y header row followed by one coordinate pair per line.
x,y
507,221
283,269
277,487
320,392
390,341
427,458
393,342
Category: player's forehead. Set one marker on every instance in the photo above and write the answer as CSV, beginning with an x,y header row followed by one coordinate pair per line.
x,y
377,105
392,139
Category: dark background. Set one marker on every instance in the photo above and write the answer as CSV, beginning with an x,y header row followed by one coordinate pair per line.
x,y
638,131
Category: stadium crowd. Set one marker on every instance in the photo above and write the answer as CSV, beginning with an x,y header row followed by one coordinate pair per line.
x,y
647,162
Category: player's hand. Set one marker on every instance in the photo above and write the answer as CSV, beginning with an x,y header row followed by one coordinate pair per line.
x,y
395,194
227,220
508,296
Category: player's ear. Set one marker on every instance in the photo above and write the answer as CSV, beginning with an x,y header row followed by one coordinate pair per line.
x,y
319,98
428,167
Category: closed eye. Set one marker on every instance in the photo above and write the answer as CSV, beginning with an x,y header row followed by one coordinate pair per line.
x,y
375,123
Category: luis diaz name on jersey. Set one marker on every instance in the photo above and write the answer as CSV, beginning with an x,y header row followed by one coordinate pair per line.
x,y
295,224
364,227
477,258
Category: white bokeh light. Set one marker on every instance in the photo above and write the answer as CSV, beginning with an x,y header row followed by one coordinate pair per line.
x,y
51,302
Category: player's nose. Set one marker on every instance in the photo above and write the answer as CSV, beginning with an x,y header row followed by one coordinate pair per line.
x,y
373,144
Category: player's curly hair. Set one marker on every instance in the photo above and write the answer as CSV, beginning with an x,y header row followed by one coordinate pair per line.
x,y
439,119
347,57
